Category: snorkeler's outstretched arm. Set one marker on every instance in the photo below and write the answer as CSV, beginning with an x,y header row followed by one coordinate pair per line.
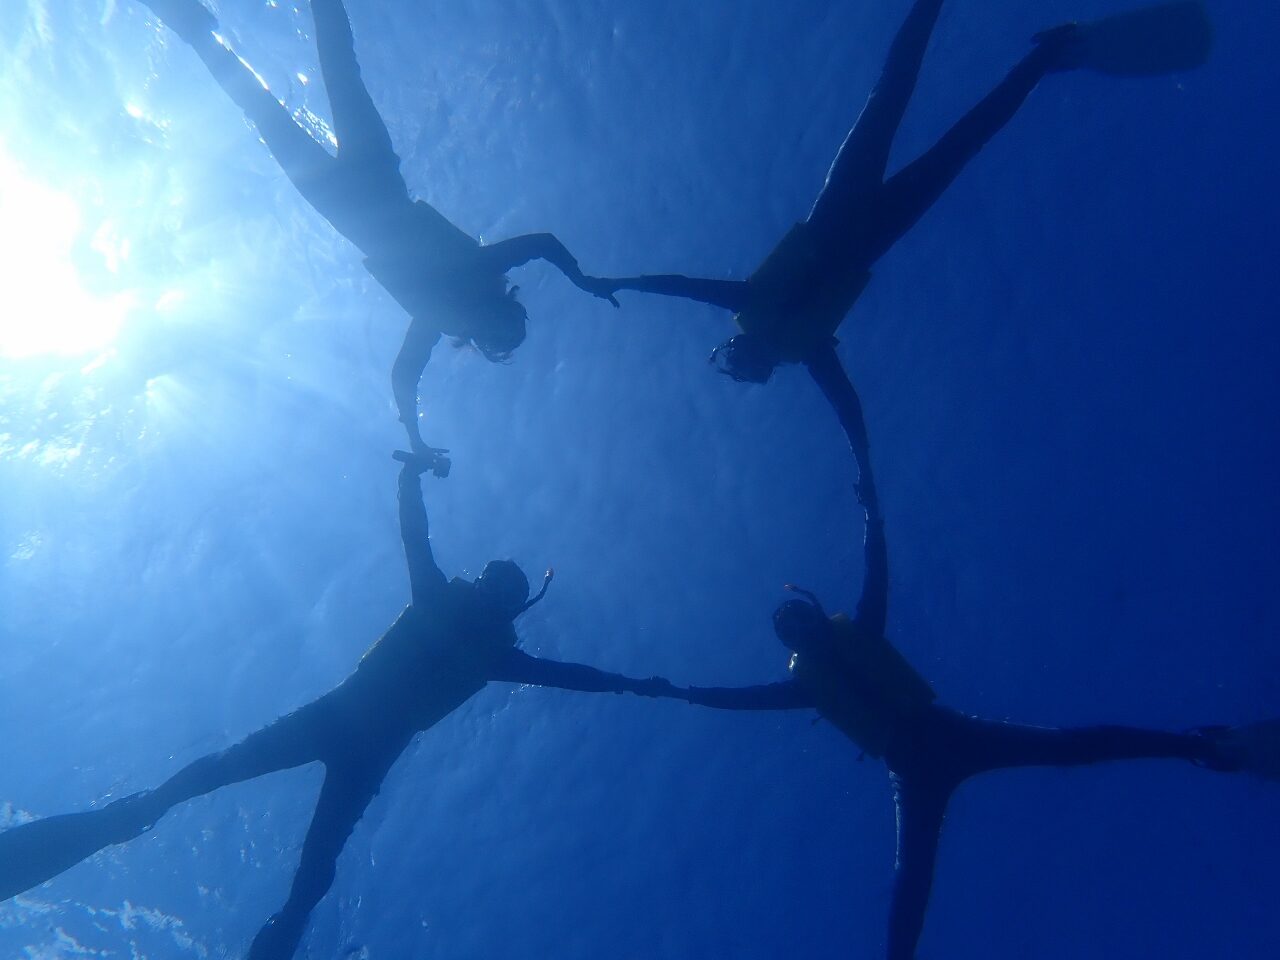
x,y
508,254
830,376
729,294
783,695
827,371
426,580
406,373
520,667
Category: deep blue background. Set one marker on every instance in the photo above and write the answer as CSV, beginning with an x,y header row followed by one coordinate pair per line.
x,y
1069,372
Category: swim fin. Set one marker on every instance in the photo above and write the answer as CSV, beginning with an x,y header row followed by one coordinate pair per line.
x,y
34,852
1253,748
1148,42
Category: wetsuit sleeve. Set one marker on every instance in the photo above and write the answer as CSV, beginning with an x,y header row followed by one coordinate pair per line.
x,y
784,695
520,667
407,372
729,294
426,580
827,371
508,254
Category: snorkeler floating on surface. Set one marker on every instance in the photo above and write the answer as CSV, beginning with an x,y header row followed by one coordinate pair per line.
x,y
845,669
792,303
448,283
453,638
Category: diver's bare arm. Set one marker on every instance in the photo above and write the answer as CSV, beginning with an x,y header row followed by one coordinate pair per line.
x,y
506,254
517,251
827,371
426,580
729,294
406,372
520,667
784,695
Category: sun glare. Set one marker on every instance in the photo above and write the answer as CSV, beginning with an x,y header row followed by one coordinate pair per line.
x,y
44,307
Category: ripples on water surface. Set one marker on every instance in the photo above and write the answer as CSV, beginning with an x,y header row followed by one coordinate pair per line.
x,y
1068,371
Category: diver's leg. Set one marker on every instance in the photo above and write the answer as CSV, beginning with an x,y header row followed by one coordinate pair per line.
x,y
316,176
294,149
859,164
992,744
909,193
35,852
921,806
343,799
362,135
293,740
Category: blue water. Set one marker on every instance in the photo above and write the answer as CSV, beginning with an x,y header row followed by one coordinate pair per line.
x,y
1069,372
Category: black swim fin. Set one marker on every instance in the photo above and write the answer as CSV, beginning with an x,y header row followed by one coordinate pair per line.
x,y
1253,748
34,852
1151,41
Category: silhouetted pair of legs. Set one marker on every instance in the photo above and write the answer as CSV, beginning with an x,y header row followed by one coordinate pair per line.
x,y
360,190
356,757
861,213
934,757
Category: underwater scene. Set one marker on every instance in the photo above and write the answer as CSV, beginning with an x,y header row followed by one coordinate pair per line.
x,y
891,386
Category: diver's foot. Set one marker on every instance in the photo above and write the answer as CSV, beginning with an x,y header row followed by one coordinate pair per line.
x,y
189,19
1062,45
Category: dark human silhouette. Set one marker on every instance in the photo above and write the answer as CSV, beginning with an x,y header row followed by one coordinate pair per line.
x,y
453,638
845,669
448,283
795,300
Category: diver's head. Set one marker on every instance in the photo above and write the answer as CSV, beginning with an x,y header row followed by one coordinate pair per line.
x,y
503,589
500,326
801,625
745,358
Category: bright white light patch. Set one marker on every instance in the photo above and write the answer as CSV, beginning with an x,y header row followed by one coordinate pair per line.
x,y
43,306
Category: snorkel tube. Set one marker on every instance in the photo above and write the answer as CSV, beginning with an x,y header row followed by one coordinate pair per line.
x,y
808,595
546,582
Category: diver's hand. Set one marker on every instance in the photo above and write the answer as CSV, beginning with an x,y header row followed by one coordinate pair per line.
x,y
601,287
656,687
1062,44
426,460
440,463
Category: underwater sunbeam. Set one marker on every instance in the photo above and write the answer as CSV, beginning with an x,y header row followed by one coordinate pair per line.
x,y
44,308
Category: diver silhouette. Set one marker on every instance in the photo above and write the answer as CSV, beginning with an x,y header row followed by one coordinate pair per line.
x,y
797,297
453,638
448,283
845,669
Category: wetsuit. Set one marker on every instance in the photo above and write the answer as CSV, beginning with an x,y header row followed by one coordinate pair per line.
x,y
866,690
442,650
445,279
798,296
933,752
